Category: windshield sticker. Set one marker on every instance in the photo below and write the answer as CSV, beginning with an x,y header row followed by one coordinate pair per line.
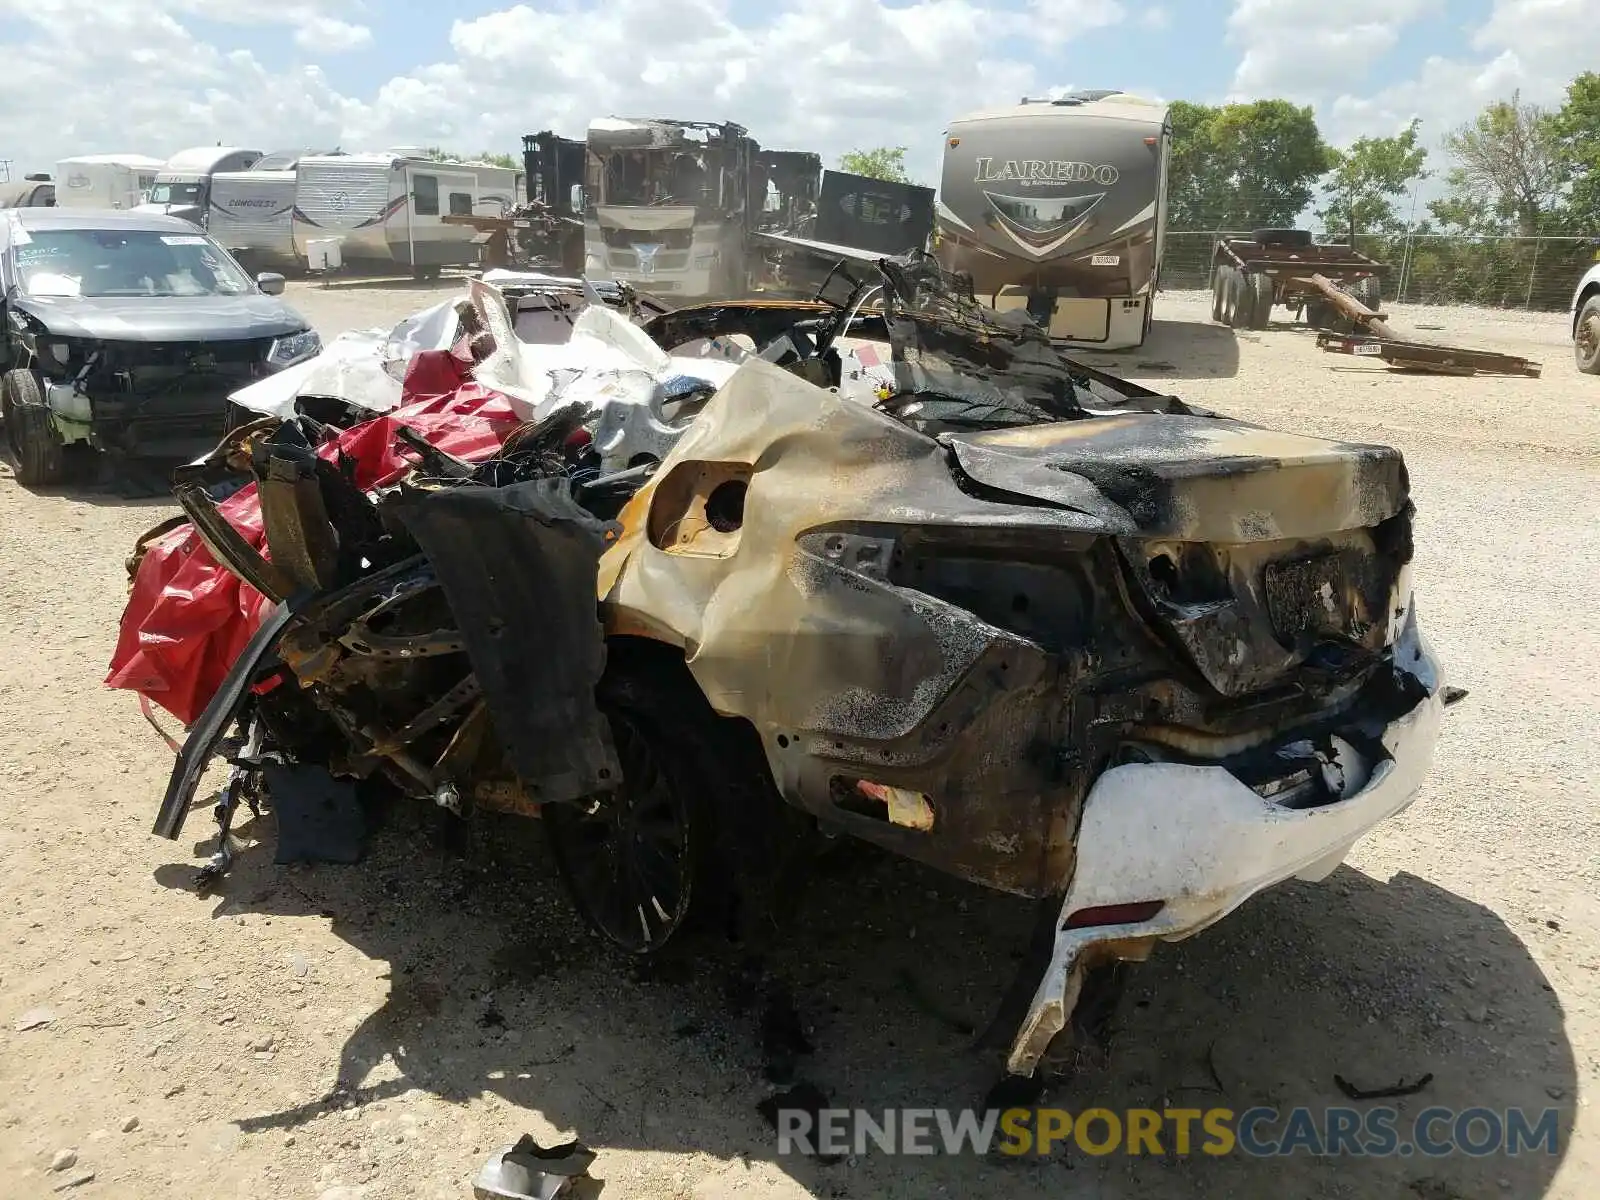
x,y
183,239
34,253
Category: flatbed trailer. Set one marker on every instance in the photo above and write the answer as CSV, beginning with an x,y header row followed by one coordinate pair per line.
x,y
1249,275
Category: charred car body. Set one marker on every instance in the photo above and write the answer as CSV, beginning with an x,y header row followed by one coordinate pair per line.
x,y
127,332
982,605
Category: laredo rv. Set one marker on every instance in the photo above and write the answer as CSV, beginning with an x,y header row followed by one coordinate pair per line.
x,y
252,212
183,186
666,205
105,180
1060,207
385,209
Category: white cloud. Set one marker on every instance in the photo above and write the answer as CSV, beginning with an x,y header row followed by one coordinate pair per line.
x,y
131,75
1287,50
331,35
1292,49
1155,17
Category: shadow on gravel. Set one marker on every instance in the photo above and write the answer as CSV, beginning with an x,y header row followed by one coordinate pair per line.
x,y
495,987
1174,350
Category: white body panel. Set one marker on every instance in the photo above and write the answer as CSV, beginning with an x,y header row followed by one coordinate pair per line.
x,y
252,213
388,210
104,180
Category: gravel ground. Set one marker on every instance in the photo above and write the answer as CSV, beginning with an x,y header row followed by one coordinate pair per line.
x,y
190,1041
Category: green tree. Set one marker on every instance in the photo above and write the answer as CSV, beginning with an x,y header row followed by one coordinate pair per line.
x,y
1576,129
1241,166
1508,170
1366,180
883,162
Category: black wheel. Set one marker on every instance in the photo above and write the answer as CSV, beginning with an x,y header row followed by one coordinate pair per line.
x,y
1586,337
1226,277
1258,300
1281,237
630,865
30,432
1319,314
1237,302
426,274
1368,291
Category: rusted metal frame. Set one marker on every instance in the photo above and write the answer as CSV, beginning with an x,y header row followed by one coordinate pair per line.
x,y
430,718
1358,312
228,546
1451,360
361,640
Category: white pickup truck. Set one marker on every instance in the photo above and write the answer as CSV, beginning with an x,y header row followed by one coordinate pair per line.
x,y
1586,322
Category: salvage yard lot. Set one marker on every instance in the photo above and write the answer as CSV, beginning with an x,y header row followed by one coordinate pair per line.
x,y
461,1003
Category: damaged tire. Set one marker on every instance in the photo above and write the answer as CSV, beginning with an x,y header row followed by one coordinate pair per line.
x,y
31,434
638,865
697,839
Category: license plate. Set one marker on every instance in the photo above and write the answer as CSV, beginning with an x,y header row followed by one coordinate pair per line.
x,y
1366,348
1105,260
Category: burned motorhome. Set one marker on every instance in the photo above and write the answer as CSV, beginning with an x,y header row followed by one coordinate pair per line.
x,y
694,586
668,205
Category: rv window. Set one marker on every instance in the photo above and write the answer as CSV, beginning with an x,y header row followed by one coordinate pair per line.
x,y
425,194
460,204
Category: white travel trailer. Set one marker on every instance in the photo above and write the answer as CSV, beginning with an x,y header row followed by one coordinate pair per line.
x,y
183,186
252,212
105,180
387,210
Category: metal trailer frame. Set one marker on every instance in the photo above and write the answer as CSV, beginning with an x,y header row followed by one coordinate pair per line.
x,y
1249,275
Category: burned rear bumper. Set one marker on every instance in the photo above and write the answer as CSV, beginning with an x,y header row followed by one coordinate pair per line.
x,y
1195,842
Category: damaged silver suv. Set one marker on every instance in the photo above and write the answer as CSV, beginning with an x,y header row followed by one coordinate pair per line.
x,y
126,332
909,575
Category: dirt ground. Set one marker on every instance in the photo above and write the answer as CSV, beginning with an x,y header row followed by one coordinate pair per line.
x,y
191,1041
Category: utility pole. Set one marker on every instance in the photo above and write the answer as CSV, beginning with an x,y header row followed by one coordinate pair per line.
x,y
5,170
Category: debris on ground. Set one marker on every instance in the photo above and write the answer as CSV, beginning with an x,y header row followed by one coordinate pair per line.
x,y
529,1171
35,1018
1393,1091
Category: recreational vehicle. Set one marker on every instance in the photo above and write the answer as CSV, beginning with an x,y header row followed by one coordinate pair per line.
x,y
666,205
252,212
386,209
35,191
105,180
183,186
1060,207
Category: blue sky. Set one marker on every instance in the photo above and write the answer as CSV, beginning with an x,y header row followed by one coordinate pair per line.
x,y
151,76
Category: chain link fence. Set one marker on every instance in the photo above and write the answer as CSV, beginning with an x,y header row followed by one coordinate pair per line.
x,y
1491,272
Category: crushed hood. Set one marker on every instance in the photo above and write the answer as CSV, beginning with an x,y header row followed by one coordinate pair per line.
x,y
1189,477
164,318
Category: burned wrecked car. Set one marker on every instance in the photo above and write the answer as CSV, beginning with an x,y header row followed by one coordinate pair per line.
x,y
884,564
126,332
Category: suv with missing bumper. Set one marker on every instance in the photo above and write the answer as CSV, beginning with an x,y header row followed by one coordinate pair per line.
x,y
125,332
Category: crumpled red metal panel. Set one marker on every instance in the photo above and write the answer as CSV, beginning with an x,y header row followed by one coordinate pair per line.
x,y
187,617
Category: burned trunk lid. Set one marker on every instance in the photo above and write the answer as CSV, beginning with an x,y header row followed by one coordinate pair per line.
x,y
1197,478
1258,554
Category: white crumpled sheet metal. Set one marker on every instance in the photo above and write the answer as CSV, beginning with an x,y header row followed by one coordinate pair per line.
x,y
607,362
